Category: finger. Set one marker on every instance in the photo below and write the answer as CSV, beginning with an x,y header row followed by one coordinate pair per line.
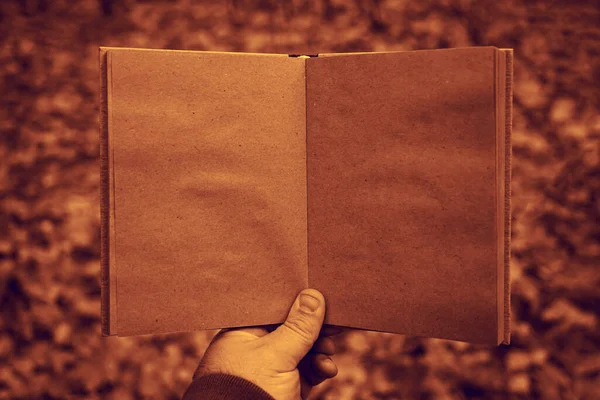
x,y
324,345
297,335
324,366
316,368
331,330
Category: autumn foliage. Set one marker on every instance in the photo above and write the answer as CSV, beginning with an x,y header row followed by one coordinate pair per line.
x,y
50,343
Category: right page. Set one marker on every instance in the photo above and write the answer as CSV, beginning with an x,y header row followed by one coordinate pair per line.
x,y
402,191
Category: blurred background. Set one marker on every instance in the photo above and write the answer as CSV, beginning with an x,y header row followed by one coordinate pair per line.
x,y
50,343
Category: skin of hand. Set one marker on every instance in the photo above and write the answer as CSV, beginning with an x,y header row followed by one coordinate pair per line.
x,y
285,360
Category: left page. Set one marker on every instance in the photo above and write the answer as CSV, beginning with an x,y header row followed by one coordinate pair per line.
x,y
208,164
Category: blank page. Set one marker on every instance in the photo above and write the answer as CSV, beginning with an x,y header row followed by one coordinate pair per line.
x,y
208,156
401,191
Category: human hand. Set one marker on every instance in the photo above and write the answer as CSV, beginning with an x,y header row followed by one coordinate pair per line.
x,y
286,360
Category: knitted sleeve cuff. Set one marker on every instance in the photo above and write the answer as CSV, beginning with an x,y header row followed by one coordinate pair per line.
x,y
224,387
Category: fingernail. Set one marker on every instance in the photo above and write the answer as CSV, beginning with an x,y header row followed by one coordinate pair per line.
x,y
308,303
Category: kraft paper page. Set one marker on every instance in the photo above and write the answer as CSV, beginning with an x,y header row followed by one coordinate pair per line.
x,y
209,169
401,191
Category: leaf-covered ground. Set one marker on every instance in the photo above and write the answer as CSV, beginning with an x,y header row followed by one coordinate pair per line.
x,y
50,343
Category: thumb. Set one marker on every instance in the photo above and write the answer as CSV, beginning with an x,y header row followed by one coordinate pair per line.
x,y
296,336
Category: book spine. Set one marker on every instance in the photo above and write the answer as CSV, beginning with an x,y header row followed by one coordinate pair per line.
x,y
507,172
104,199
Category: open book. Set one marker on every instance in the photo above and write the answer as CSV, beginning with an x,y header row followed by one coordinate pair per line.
x,y
232,181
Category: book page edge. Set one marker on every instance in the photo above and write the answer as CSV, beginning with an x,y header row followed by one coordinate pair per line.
x,y
507,188
499,95
108,48
398,51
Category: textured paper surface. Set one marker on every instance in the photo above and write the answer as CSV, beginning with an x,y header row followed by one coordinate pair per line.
x,y
401,191
207,161
210,188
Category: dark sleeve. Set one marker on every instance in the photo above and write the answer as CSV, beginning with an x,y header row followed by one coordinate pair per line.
x,y
224,387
